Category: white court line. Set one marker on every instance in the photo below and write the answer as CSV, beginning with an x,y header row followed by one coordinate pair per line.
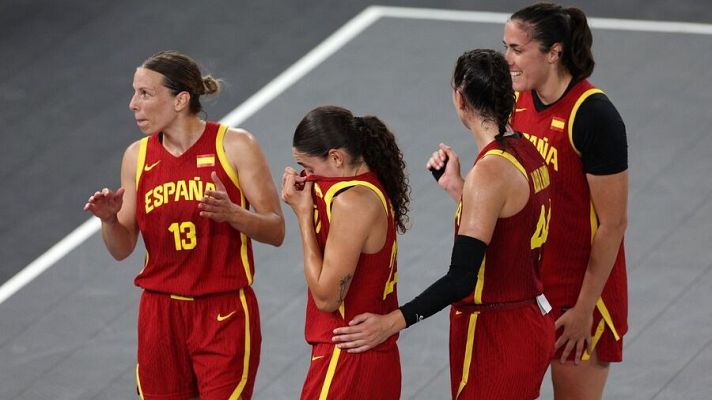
x,y
237,116
306,64
302,67
501,18
49,258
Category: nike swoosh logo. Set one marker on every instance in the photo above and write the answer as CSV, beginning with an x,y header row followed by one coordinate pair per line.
x,y
458,312
150,167
317,357
223,318
520,109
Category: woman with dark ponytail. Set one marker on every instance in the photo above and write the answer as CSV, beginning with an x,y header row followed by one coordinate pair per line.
x,y
198,192
583,139
501,338
350,202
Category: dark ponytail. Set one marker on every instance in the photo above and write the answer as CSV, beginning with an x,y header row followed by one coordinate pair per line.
x,y
363,138
382,154
580,58
483,77
549,24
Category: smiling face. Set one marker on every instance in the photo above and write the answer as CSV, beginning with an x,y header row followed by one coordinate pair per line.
x,y
152,103
528,65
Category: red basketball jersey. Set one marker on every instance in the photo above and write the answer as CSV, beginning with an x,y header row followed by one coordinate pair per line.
x,y
510,271
187,254
574,219
373,288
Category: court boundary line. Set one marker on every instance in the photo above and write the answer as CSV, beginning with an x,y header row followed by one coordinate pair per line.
x,y
249,107
501,18
306,64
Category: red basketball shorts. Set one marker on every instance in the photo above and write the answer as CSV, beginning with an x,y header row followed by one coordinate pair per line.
x,y
335,374
499,354
207,347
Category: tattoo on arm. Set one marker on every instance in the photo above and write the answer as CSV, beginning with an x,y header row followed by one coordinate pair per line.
x,y
343,287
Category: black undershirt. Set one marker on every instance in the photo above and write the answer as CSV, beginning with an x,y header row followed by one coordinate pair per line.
x,y
598,133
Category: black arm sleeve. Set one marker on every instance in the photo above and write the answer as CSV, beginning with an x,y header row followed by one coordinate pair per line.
x,y
599,134
460,280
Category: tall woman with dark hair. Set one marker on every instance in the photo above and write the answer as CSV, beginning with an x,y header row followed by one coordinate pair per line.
x,y
198,192
583,139
350,202
501,339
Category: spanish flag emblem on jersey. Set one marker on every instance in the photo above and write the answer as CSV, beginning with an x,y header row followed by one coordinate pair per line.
x,y
205,160
558,124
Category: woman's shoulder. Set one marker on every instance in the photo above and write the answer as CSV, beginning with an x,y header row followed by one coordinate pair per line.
x,y
489,170
241,141
239,135
358,201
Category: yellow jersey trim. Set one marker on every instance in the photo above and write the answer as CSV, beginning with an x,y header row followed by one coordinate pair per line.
x,y
329,196
468,352
578,103
511,159
182,298
138,384
593,218
220,150
479,287
606,320
246,359
330,374
458,213
141,161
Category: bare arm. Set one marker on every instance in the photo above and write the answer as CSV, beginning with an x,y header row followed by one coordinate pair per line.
x,y
329,275
609,194
264,224
494,188
117,211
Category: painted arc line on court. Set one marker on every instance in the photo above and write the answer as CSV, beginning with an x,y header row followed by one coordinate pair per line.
x,y
306,64
245,110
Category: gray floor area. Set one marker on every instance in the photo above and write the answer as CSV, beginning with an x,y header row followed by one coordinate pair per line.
x,y
70,334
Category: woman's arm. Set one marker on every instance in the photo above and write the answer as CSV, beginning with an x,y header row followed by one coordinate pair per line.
x,y
117,210
264,224
609,194
357,218
492,189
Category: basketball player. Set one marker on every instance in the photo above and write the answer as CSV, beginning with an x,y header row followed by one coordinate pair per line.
x,y
501,339
583,139
198,192
349,203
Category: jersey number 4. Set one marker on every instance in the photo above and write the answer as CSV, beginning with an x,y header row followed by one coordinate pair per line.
x,y
184,235
542,228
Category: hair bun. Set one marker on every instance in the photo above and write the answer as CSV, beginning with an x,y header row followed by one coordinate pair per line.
x,y
210,85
